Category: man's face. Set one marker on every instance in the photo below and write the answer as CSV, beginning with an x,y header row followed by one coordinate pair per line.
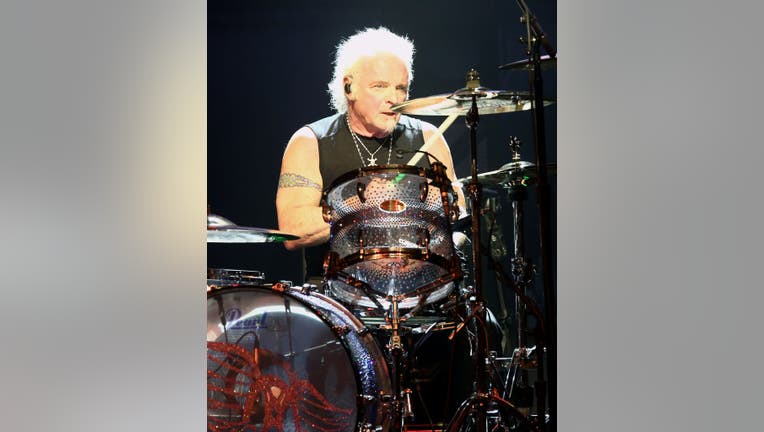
x,y
379,82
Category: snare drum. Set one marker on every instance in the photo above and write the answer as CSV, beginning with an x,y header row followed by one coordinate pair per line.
x,y
287,360
390,236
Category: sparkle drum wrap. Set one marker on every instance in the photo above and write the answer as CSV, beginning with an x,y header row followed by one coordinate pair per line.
x,y
390,236
290,361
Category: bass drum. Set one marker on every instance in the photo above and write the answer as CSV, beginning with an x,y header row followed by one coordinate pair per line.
x,y
280,359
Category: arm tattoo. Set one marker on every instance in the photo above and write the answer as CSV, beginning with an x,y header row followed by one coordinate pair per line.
x,y
287,180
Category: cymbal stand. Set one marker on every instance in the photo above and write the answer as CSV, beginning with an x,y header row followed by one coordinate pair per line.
x,y
535,37
522,274
522,271
475,410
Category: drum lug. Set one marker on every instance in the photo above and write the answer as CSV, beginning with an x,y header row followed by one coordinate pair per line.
x,y
367,427
424,241
363,401
453,213
308,288
360,189
341,330
326,212
423,190
366,399
331,264
282,286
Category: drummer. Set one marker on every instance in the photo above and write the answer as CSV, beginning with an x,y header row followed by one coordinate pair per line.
x,y
372,72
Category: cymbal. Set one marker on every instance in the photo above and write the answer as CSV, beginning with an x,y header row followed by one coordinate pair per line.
x,y
521,170
459,102
222,230
545,61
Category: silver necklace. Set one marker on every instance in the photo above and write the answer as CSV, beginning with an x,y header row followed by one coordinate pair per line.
x,y
356,140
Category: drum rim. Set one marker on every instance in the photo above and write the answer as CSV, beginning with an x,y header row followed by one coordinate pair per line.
x,y
383,169
452,275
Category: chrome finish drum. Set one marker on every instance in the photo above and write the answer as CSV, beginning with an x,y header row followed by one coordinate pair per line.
x,y
390,236
290,361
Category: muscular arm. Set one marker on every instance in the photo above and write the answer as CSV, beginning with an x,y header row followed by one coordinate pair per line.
x,y
441,151
299,192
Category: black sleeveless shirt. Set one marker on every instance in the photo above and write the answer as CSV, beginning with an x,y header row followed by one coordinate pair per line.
x,y
338,155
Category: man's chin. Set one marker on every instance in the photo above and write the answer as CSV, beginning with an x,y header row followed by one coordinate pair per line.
x,y
390,124
385,129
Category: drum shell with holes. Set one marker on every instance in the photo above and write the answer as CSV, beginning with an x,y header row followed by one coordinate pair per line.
x,y
390,236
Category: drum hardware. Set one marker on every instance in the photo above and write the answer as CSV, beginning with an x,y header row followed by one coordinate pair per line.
x,y
477,410
518,391
546,62
483,398
401,399
522,270
223,278
360,188
502,177
399,355
222,230
390,236
438,326
471,101
408,407
536,39
515,388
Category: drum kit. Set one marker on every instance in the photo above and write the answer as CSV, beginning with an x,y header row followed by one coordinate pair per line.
x,y
352,353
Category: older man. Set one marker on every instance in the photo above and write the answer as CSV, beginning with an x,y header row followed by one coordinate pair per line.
x,y
372,72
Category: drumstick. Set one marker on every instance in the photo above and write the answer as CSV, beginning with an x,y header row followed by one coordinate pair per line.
x,y
446,123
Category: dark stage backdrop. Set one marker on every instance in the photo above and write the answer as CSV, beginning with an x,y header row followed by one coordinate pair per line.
x,y
268,65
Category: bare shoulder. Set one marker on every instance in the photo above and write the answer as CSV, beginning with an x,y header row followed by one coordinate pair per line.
x,y
302,140
300,165
304,132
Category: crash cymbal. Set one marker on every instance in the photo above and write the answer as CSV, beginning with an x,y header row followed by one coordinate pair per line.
x,y
222,230
520,170
545,61
459,102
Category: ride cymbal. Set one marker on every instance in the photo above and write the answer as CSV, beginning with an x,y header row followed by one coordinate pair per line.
x,y
222,230
459,102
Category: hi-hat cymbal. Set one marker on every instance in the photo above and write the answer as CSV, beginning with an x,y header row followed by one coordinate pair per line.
x,y
459,102
222,230
545,61
519,170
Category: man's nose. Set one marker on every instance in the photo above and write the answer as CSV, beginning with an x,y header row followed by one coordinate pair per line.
x,y
394,96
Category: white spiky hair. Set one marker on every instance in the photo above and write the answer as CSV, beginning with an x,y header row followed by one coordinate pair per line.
x,y
366,43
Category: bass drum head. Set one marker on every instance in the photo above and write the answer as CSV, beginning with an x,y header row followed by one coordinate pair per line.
x,y
277,361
